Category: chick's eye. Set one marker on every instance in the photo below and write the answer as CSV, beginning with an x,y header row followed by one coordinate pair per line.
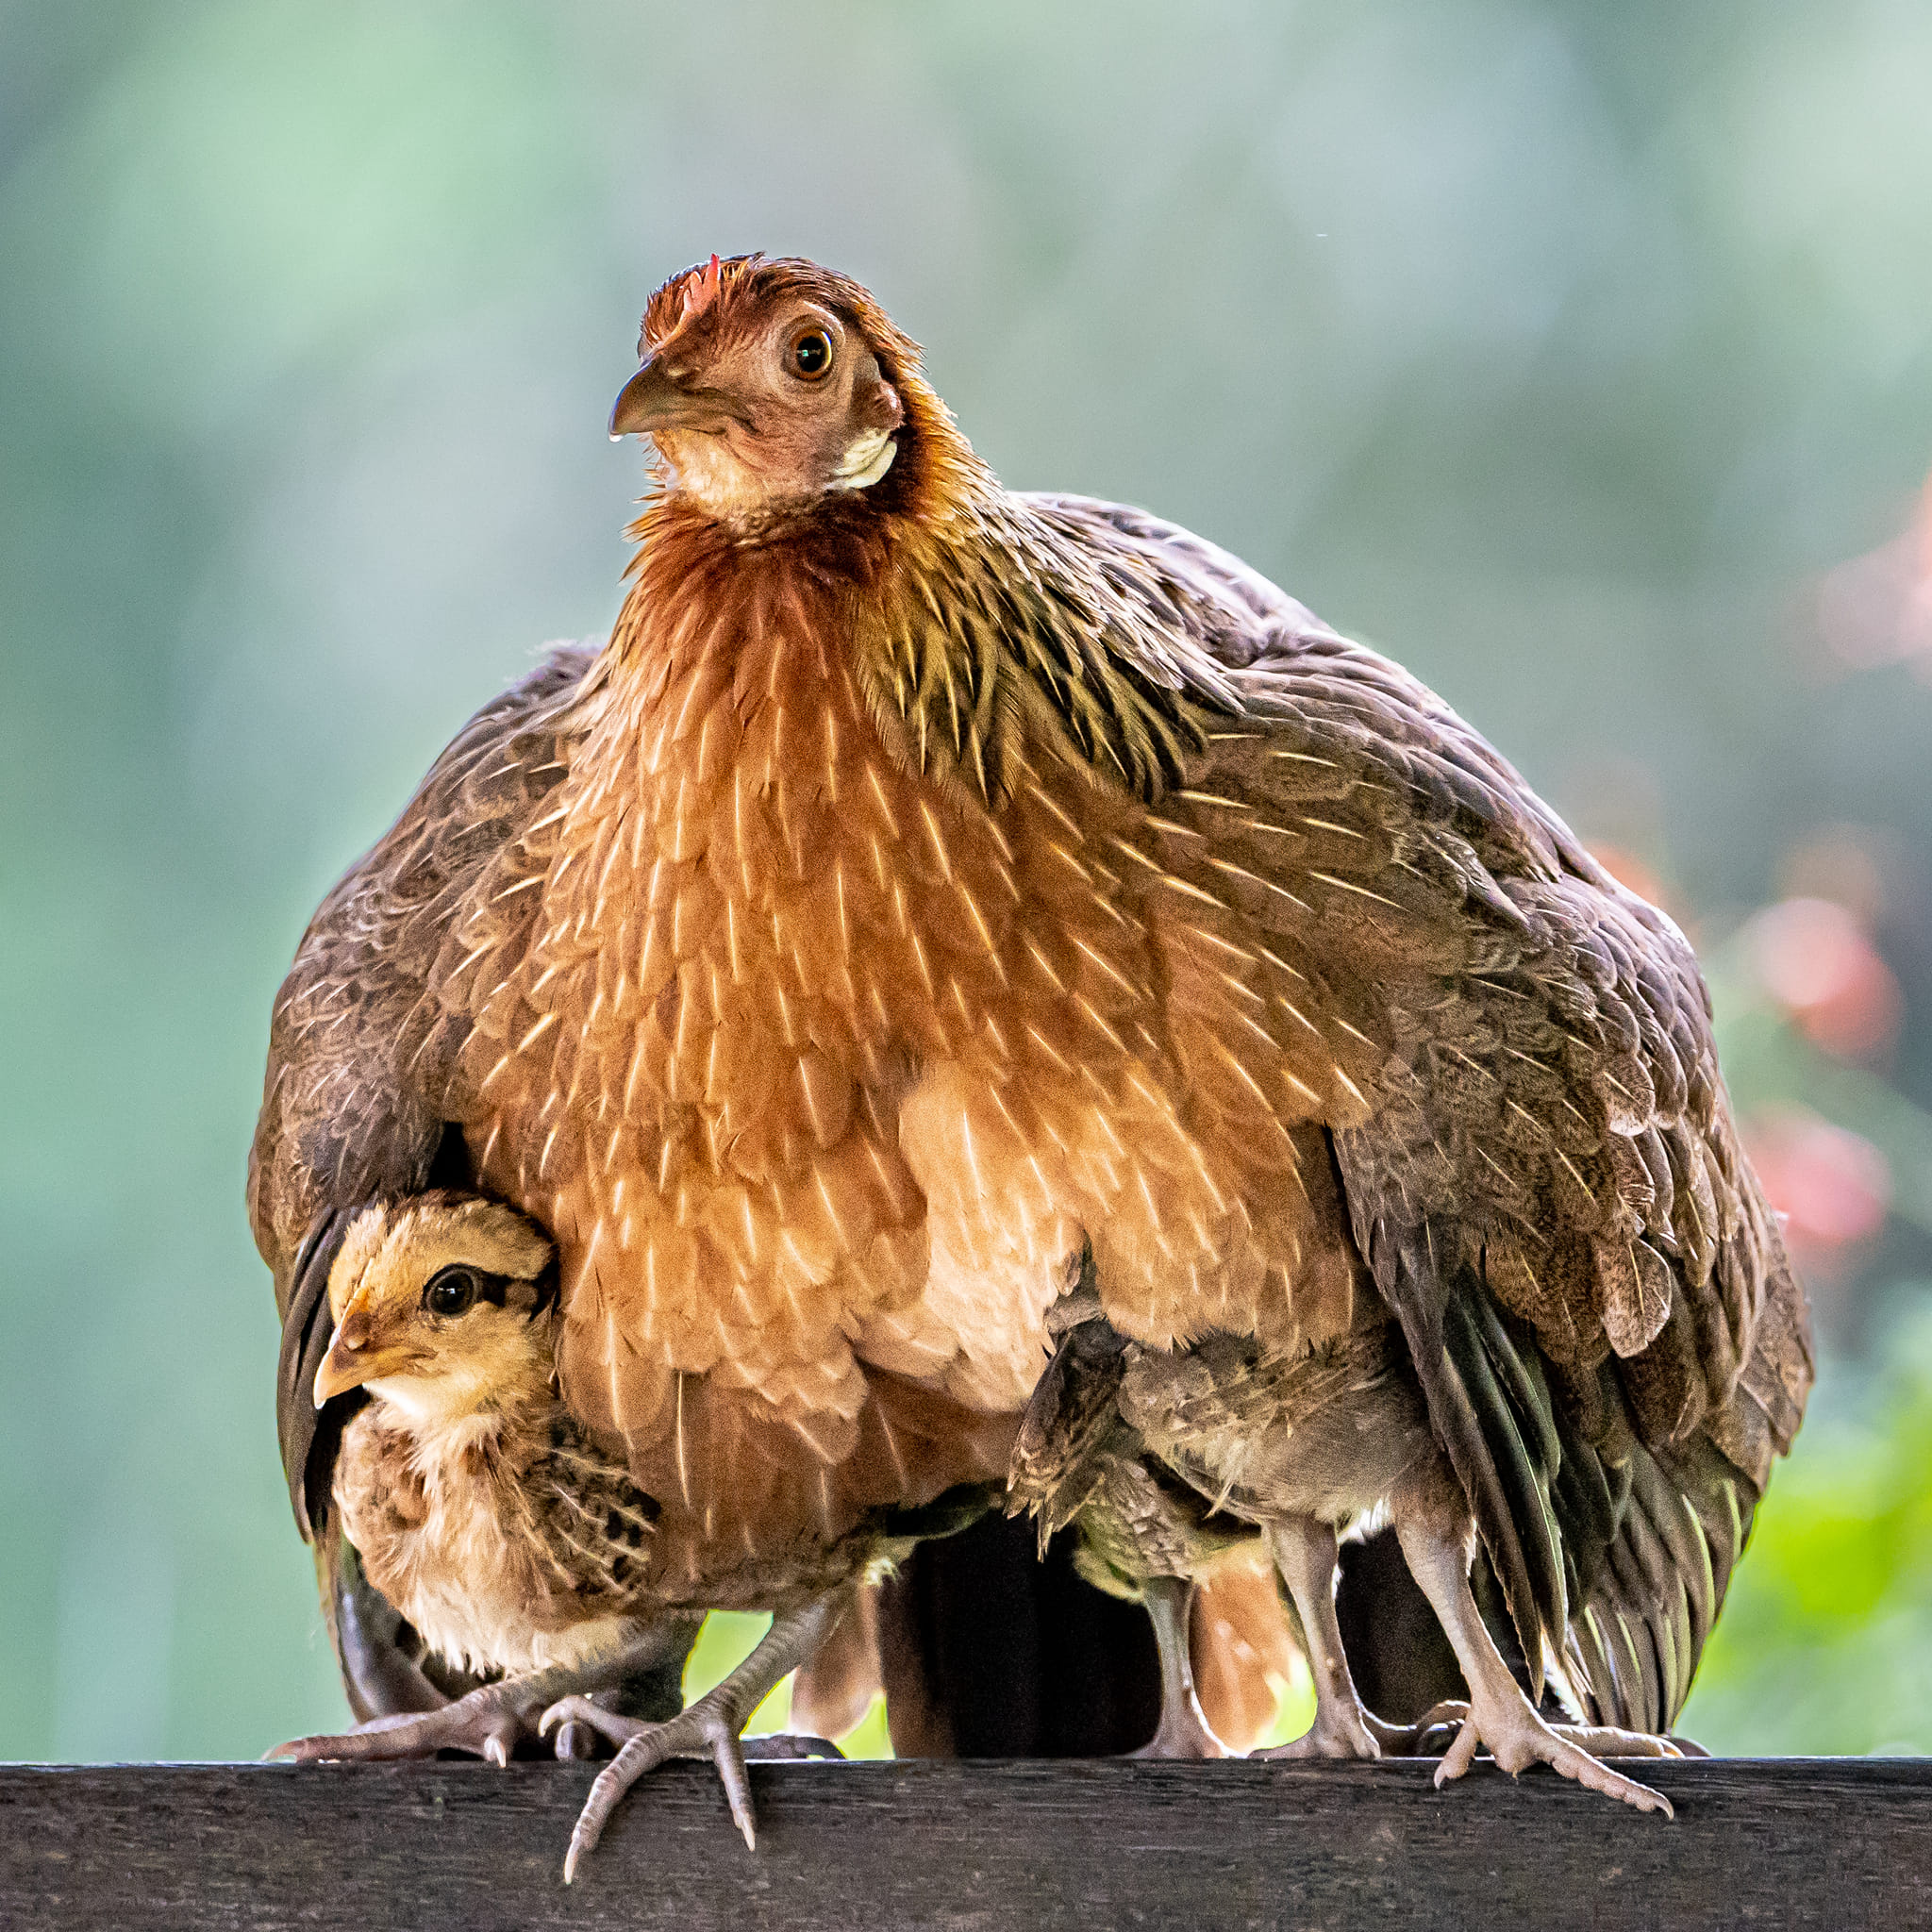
x,y
451,1293
811,352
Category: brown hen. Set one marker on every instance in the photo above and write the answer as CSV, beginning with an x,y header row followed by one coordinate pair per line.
x,y
930,882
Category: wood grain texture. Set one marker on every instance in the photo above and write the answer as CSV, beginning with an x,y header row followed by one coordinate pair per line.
x,y
1792,1843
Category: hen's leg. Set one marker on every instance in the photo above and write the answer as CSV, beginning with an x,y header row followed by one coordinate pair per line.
x,y
493,1719
710,1727
1184,1731
1305,1553
1501,1718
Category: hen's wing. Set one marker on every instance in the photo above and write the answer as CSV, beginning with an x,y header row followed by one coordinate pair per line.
x,y
1534,1145
361,1048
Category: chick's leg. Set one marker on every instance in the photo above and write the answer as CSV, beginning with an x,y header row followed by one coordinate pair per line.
x,y
710,1727
1500,1717
1184,1731
489,1723
835,1688
494,1719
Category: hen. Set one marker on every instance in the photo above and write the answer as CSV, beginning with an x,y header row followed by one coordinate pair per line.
x,y
932,883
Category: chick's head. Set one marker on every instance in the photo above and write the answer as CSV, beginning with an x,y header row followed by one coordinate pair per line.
x,y
441,1305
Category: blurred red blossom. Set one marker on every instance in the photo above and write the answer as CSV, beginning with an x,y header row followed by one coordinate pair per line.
x,y
1629,871
1834,1186
1816,959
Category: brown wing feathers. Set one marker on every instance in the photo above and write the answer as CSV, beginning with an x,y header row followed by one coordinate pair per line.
x,y
1549,1194
355,1098
354,1102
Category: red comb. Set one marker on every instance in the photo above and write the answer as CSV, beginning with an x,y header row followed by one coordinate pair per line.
x,y
700,290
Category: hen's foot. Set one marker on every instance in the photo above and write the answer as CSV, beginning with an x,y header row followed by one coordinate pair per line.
x,y
1344,1730
489,1723
710,1727
713,1728
1516,1736
1183,1734
1500,1719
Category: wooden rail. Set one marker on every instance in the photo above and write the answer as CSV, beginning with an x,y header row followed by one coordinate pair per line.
x,y
1837,1844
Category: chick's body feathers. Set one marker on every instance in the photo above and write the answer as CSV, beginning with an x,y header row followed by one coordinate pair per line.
x,y
509,1542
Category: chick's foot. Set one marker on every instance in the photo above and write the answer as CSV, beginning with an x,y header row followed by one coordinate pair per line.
x,y
1183,1734
1340,1731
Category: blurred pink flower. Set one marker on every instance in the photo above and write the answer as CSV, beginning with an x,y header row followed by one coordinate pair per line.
x,y
1834,1186
1815,959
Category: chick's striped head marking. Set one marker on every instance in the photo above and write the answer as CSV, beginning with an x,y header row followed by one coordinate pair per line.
x,y
435,1300
769,386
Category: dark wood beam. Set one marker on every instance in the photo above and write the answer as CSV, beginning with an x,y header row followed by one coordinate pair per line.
x,y
1837,1844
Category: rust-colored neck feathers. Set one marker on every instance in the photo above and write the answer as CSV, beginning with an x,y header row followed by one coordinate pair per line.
x,y
979,629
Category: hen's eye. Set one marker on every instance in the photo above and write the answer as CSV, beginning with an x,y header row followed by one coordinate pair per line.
x,y
451,1291
811,354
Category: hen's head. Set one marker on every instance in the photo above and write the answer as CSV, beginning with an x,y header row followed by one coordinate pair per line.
x,y
768,386
435,1300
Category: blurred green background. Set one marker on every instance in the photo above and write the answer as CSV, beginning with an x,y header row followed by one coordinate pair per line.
x,y
1579,355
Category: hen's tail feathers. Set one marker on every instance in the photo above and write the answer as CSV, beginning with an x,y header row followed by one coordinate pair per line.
x,y
1489,1402
310,1439
1634,1645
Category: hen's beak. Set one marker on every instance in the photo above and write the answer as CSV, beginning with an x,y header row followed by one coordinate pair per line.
x,y
358,1355
655,399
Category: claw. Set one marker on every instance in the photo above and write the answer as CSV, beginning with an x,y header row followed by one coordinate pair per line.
x,y
575,1743
1516,1739
711,1726
487,1723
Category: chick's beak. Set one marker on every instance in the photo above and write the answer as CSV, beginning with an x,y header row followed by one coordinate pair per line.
x,y
355,1356
655,399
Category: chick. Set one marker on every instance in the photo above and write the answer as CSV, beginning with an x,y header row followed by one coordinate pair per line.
x,y
1143,1535
509,1535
